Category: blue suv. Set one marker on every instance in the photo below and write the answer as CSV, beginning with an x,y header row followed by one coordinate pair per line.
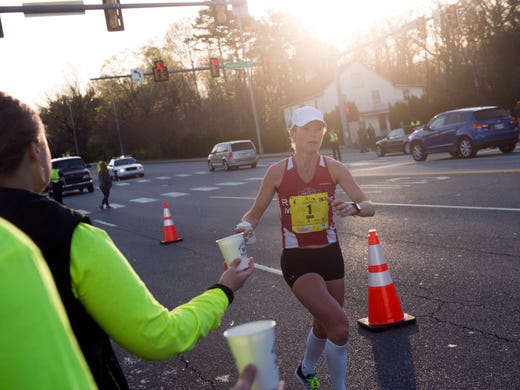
x,y
465,131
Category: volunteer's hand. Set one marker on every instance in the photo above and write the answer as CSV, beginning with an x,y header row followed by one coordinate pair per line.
x,y
232,277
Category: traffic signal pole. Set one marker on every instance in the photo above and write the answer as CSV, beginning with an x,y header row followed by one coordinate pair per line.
x,y
250,84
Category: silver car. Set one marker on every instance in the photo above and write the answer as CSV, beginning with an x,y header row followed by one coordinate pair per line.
x,y
233,154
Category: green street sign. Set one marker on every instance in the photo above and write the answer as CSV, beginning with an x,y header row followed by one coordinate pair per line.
x,y
238,65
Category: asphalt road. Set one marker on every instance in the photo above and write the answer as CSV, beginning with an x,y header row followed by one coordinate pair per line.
x,y
449,230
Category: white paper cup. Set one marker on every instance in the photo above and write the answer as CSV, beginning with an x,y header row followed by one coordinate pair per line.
x,y
253,342
249,233
232,247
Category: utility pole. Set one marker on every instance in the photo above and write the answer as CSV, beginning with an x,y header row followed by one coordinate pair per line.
x,y
250,84
116,120
73,128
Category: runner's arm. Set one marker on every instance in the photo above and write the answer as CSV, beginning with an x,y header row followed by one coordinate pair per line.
x,y
265,194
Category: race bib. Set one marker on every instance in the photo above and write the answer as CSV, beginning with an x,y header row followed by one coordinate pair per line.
x,y
309,213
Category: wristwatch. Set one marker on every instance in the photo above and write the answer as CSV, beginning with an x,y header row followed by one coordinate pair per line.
x,y
357,207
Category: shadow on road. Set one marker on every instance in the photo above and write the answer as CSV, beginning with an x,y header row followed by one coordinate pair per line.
x,y
393,359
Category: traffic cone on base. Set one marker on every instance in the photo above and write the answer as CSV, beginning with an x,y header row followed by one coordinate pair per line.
x,y
384,308
169,231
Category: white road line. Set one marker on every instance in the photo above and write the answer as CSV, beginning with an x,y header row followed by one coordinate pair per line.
x,y
435,206
204,188
144,200
104,223
230,183
268,269
116,205
174,194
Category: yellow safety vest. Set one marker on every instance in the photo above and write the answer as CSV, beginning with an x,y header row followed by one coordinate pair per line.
x,y
55,175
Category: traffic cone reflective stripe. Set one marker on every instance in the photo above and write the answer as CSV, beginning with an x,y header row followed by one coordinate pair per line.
x,y
169,231
384,308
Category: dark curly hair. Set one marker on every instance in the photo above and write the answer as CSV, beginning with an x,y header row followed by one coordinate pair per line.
x,y
19,126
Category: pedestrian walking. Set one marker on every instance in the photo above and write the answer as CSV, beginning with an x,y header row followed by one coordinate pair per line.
x,y
311,260
102,294
371,137
105,184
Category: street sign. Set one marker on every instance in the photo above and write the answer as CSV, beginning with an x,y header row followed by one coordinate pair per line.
x,y
137,75
238,65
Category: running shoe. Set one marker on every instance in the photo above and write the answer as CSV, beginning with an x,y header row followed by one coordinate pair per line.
x,y
310,381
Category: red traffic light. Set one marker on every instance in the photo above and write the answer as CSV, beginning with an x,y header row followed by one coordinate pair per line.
x,y
266,64
214,67
160,72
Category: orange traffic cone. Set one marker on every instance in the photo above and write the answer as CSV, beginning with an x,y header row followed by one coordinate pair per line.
x,y
384,308
169,230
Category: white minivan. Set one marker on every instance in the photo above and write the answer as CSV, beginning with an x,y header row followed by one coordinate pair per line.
x,y
233,154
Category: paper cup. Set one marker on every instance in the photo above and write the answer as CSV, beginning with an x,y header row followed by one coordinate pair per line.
x,y
249,233
232,247
253,342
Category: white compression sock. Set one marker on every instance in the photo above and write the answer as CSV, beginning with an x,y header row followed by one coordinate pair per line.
x,y
313,349
336,359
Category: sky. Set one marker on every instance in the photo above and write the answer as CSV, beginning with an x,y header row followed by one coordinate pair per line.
x,y
41,55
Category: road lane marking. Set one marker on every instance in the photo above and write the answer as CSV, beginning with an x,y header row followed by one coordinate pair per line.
x,y
144,200
104,223
268,269
435,173
205,188
230,183
434,206
174,194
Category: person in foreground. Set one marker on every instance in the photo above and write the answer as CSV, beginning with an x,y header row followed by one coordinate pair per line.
x,y
311,261
37,347
103,296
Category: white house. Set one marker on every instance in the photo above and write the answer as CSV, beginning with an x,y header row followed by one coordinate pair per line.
x,y
372,94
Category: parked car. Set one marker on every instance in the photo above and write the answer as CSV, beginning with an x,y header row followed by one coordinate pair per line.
x,y
125,166
233,154
395,142
75,172
465,131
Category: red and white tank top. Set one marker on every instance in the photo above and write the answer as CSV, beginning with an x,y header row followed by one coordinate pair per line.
x,y
306,200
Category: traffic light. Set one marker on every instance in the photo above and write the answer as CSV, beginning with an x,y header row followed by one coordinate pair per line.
x,y
160,71
114,17
266,64
214,67
420,24
453,19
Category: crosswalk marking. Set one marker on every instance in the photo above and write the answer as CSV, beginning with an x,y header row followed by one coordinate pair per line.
x,y
205,188
174,194
144,200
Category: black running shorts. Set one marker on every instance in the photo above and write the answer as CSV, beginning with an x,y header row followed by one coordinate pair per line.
x,y
326,261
